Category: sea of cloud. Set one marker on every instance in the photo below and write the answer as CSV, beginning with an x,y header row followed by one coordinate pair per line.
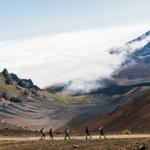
x,y
78,56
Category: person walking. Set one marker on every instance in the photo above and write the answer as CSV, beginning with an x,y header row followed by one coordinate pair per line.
x,y
51,134
42,134
67,133
101,133
87,133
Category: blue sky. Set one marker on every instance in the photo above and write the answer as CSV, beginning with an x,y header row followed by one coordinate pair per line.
x,y
20,18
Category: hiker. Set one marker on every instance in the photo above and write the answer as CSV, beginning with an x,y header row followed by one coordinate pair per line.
x,y
101,133
51,133
42,133
66,131
87,133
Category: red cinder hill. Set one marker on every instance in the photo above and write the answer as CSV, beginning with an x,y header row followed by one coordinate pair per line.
x,y
133,115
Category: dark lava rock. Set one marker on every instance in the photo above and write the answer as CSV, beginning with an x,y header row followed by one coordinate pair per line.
x,y
15,100
5,72
4,95
14,77
7,76
142,147
25,83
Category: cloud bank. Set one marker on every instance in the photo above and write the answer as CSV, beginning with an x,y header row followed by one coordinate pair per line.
x,y
81,56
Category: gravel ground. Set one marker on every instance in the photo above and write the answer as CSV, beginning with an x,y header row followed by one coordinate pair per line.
x,y
91,144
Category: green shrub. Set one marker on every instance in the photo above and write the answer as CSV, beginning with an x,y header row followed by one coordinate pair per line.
x,y
127,131
25,93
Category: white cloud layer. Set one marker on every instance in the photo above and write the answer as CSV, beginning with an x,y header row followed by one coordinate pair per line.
x,y
80,56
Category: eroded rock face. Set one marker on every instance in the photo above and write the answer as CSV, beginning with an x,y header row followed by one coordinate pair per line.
x,y
25,86
7,76
5,72
25,83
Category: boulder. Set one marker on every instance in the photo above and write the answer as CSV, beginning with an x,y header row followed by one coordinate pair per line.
x,y
4,95
142,147
76,146
15,100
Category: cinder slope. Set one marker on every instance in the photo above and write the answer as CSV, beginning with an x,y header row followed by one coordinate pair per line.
x,y
133,115
24,104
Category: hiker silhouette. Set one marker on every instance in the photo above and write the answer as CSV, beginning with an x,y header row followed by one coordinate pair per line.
x,y
101,133
51,133
42,134
67,133
87,133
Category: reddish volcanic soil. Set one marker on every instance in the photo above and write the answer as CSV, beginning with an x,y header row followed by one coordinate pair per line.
x,y
134,115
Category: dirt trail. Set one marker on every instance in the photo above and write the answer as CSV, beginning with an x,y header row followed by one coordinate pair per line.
x,y
133,136
115,142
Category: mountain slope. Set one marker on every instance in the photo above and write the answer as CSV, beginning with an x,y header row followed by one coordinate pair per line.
x,y
128,84
24,104
133,115
107,104
136,68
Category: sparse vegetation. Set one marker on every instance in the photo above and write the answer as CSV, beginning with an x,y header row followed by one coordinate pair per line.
x,y
25,93
65,99
17,93
127,131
